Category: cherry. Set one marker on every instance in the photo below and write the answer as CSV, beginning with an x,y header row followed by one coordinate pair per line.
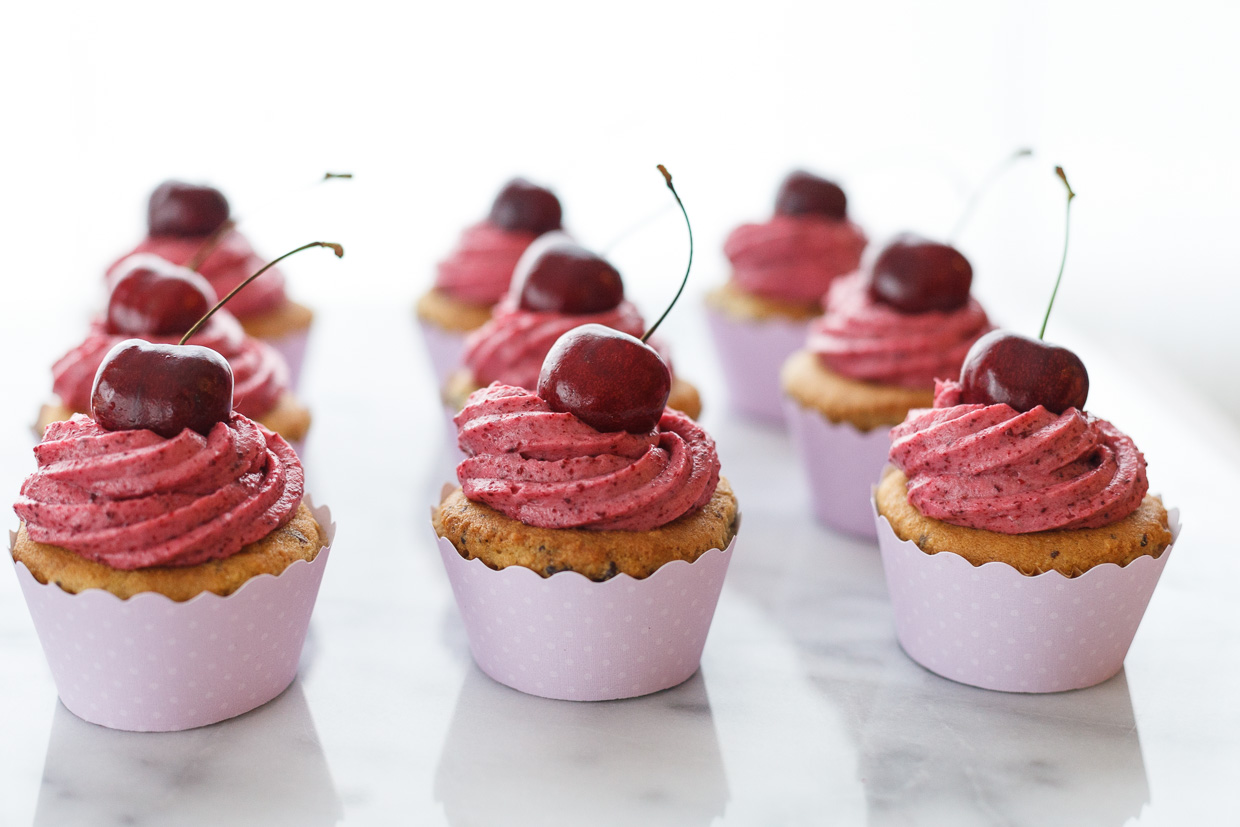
x,y
916,275
526,207
564,277
181,209
1004,368
803,193
153,296
163,388
606,378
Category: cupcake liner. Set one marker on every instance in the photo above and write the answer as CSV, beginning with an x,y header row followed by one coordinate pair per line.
x,y
752,353
445,347
992,627
573,639
292,346
841,464
150,664
451,442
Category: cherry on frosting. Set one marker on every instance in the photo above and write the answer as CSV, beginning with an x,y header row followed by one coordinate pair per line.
x,y
916,275
608,379
163,388
561,276
803,193
180,209
1004,368
526,207
153,296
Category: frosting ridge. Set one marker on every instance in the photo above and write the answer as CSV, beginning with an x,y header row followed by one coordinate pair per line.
x,y
133,499
793,258
867,340
480,269
551,470
995,468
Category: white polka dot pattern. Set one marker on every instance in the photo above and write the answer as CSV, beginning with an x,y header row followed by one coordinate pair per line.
x,y
993,627
569,638
751,352
841,464
149,664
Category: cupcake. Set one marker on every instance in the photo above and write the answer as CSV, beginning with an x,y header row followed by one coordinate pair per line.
x,y
558,285
475,276
1018,536
153,298
780,271
189,224
885,335
589,538
165,551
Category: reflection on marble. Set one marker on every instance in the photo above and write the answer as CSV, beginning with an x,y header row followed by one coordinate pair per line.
x,y
653,760
263,768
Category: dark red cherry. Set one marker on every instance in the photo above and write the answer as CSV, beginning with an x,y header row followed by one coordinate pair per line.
x,y
153,296
178,208
803,193
608,379
163,388
915,275
527,207
564,277
1004,368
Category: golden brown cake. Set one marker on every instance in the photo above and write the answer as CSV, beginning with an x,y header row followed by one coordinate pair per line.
x,y
740,304
286,319
866,405
478,531
1069,551
299,539
439,308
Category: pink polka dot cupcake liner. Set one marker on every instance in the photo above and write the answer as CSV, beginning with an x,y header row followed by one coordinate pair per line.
x,y
573,639
151,664
841,465
752,352
445,349
992,627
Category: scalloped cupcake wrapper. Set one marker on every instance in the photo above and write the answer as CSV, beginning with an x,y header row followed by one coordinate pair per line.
x,y
841,464
992,627
150,664
752,352
292,346
445,348
570,638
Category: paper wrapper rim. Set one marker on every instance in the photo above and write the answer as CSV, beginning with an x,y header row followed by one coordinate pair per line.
x,y
1005,638
101,683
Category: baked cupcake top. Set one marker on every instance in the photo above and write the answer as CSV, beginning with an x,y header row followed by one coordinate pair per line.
x,y
995,468
260,373
551,470
865,339
133,499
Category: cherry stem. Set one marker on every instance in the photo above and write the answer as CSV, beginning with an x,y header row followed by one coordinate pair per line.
x,y
983,188
667,176
1067,222
335,248
208,246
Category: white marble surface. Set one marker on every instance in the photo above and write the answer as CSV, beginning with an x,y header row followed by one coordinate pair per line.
x,y
805,711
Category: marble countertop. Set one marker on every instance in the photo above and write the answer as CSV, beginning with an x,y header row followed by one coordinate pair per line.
x,y
805,710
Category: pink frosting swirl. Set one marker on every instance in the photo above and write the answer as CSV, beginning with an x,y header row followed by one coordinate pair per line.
x,y
551,470
133,499
864,339
511,347
231,263
480,269
995,468
793,258
260,374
